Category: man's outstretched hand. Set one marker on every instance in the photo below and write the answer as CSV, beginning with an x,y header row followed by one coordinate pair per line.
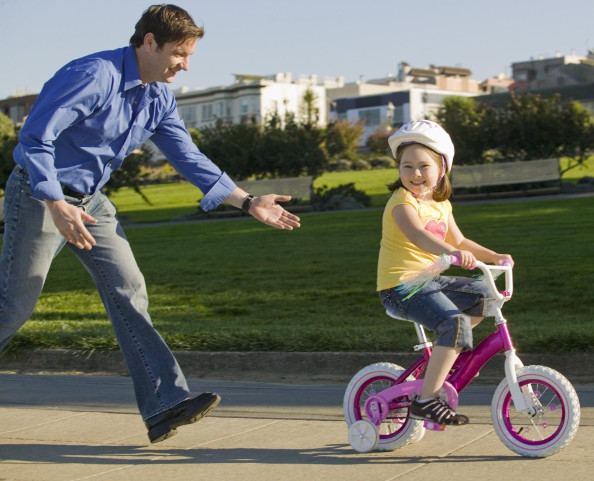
x,y
266,208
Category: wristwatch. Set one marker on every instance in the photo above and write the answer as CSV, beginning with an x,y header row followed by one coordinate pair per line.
x,y
247,203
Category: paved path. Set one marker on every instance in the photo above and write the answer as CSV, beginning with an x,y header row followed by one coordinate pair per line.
x,y
66,428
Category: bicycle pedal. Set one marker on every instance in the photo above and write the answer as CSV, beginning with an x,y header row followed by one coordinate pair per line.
x,y
433,426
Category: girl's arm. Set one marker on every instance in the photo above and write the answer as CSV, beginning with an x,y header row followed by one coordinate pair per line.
x,y
457,239
468,251
410,224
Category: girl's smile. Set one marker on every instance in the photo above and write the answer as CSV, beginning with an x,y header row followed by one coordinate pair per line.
x,y
419,172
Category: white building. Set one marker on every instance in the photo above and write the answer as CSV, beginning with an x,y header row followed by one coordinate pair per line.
x,y
253,97
413,94
391,109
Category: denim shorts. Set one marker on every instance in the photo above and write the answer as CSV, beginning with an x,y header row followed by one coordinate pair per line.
x,y
443,306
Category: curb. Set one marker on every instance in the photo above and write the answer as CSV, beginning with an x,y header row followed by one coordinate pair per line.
x,y
282,367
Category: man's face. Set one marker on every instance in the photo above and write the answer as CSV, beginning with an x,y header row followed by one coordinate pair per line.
x,y
165,61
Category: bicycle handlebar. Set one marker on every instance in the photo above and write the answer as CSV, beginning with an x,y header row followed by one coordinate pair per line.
x,y
506,266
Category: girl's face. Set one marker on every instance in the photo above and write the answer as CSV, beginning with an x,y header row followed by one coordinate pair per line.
x,y
419,171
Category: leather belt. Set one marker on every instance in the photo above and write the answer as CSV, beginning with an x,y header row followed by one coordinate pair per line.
x,y
73,193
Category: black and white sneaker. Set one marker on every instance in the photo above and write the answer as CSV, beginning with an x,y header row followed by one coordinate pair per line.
x,y
437,411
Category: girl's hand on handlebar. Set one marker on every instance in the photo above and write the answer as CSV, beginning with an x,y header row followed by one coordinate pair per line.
x,y
467,259
503,259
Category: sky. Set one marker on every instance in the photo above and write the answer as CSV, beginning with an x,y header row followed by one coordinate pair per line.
x,y
328,38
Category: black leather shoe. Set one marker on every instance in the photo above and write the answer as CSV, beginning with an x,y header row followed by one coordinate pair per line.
x,y
162,426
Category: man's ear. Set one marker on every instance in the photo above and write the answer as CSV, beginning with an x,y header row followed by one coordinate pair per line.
x,y
149,42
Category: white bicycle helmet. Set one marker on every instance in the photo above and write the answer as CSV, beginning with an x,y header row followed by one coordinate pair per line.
x,y
427,133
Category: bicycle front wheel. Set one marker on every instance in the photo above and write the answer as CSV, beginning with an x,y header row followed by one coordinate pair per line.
x,y
556,416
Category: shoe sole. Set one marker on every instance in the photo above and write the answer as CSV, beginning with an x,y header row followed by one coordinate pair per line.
x,y
420,418
198,416
162,432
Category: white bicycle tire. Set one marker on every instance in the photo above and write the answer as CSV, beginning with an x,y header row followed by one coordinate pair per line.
x,y
542,435
409,430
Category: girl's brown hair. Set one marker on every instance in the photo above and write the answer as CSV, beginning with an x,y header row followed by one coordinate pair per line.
x,y
442,192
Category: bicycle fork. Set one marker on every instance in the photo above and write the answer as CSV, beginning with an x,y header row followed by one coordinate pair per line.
x,y
520,395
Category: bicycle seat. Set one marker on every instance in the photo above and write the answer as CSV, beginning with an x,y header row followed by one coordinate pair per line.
x,y
394,316
423,341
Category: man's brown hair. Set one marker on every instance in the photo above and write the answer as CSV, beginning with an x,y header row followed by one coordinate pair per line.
x,y
168,23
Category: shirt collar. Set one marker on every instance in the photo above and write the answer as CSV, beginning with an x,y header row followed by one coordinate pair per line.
x,y
131,74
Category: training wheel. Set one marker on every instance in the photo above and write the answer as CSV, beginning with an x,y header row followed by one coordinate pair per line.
x,y
363,436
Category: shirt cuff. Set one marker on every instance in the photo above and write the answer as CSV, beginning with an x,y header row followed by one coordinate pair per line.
x,y
218,193
48,190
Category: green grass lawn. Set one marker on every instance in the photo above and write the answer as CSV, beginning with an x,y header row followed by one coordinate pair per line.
x,y
171,200
239,285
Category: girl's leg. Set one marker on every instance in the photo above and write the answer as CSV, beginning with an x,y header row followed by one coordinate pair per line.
x,y
434,310
475,321
439,365
441,361
468,295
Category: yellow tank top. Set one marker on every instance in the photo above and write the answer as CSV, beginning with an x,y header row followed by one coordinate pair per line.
x,y
399,258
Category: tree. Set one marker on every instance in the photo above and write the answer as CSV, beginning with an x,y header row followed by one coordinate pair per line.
x,y
303,152
311,113
234,147
377,142
277,148
534,127
343,138
577,126
8,142
528,127
469,123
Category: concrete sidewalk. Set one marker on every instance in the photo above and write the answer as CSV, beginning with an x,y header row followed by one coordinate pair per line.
x,y
66,428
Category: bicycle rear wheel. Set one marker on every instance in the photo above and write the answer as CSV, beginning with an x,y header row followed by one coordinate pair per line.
x,y
398,429
555,422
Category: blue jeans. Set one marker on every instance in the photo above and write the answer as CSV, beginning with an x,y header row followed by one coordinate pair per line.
x,y
444,306
31,241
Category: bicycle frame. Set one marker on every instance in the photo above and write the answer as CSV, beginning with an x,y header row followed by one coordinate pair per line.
x,y
468,364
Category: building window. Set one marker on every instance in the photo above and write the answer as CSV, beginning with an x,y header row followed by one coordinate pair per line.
x,y
371,117
220,110
207,112
398,115
17,112
188,113
244,107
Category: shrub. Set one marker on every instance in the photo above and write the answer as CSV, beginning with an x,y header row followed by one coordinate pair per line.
x,y
360,164
326,198
377,142
383,162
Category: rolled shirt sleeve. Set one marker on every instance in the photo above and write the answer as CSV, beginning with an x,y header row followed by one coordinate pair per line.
x,y
172,138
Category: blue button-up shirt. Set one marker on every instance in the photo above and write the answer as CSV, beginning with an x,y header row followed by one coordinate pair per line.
x,y
92,114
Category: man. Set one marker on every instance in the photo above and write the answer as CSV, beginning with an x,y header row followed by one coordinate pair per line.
x,y
93,113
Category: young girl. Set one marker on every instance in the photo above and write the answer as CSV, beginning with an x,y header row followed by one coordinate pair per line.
x,y
417,228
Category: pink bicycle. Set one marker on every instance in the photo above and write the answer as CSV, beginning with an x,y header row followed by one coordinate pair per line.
x,y
535,409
